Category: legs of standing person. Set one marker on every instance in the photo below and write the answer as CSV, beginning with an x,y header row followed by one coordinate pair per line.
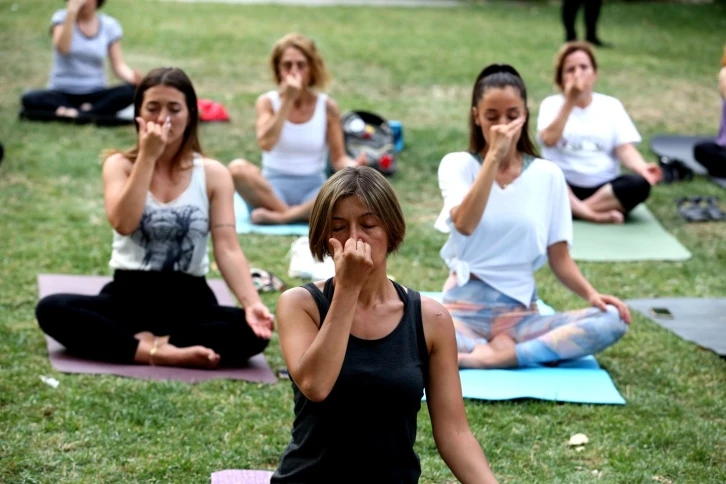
x,y
222,329
713,157
569,16
592,14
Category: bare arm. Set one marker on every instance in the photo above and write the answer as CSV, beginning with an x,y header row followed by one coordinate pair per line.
x,y
227,252
454,439
722,82
63,33
125,184
314,355
119,66
551,134
467,215
570,275
632,159
339,158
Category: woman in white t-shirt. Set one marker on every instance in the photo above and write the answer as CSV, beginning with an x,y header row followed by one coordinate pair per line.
x,y
507,213
296,128
77,86
588,135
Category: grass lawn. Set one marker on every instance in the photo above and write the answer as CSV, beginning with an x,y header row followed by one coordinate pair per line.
x,y
416,65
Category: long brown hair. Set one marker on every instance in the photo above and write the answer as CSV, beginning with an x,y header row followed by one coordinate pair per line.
x,y
176,78
498,76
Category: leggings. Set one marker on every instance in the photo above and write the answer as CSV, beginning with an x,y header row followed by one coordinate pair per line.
x,y
630,190
481,312
713,157
106,102
569,14
173,304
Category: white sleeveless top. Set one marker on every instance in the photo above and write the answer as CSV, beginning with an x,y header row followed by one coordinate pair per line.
x,y
171,236
302,148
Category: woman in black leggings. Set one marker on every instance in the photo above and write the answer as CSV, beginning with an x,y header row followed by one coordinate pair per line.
x,y
712,154
77,87
164,199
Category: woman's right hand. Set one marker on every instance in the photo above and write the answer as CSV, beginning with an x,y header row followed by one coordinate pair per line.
x,y
153,137
501,137
291,86
353,263
574,86
74,6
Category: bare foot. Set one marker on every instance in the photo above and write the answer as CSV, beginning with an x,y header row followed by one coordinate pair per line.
x,y
192,357
499,353
66,112
145,336
266,216
610,217
86,106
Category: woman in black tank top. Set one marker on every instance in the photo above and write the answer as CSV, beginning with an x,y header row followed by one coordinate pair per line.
x,y
362,349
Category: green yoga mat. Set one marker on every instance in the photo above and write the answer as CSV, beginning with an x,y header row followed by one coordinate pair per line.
x,y
641,237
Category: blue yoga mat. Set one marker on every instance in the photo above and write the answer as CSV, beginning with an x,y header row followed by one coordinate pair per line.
x,y
245,225
576,381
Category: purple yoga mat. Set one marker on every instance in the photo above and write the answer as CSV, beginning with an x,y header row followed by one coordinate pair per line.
x,y
241,477
256,371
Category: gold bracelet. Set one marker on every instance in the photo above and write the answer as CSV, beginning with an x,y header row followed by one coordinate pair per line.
x,y
153,350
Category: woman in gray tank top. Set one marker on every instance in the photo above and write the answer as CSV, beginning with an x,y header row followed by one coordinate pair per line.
x,y
361,350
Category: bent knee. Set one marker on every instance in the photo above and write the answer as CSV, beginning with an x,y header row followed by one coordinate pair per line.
x,y
241,169
49,310
613,324
642,188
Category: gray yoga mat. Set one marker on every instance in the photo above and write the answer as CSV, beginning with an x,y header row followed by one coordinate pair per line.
x,y
257,369
235,476
701,321
680,147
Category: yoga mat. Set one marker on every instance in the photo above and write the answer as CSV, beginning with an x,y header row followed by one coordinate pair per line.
x,y
234,476
641,237
576,381
701,321
245,225
256,371
680,147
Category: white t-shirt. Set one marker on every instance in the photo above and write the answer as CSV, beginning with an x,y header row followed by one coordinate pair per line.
x,y
81,71
518,224
586,151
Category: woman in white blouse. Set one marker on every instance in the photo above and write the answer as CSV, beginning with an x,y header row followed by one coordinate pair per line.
x,y
508,212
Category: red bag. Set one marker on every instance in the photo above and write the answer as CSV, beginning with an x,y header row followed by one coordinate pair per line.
x,y
211,111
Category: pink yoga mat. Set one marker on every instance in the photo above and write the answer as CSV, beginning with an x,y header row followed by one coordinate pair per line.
x,y
256,371
241,477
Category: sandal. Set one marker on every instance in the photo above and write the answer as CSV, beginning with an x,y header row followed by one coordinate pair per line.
x,y
692,210
266,281
712,209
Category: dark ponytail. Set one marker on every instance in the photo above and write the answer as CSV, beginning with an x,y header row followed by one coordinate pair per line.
x,y
498,76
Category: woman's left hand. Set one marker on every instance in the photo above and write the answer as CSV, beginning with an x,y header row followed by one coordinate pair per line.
x,y
259,318
652,173
602,300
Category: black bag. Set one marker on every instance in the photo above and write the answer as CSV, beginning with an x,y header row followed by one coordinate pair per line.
x,y
370,133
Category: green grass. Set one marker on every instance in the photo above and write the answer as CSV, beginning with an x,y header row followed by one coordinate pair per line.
x,y
416,65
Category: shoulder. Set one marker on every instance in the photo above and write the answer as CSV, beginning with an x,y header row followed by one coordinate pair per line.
x,y
436,319
108,20
331,106
58,16
458,160
606,101
553,99
297,299
215,170
117,160
547,169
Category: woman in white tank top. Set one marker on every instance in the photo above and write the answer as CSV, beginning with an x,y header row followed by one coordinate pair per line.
x,y
164,199
296,129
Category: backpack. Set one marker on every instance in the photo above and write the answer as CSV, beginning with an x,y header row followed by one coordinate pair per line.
x,y
371,133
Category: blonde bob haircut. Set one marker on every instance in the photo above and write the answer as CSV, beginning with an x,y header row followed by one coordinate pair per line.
x,y
319,76
565,51
372,189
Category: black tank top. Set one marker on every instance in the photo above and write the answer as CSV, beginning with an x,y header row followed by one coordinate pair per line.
x,y
365,430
